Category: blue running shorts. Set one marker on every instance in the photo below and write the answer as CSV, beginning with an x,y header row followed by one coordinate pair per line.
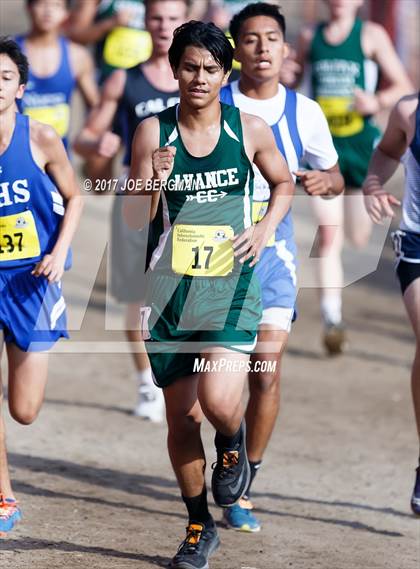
x,y
276,271
32,311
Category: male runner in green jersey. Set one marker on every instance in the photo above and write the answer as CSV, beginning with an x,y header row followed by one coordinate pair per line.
x,y
198,156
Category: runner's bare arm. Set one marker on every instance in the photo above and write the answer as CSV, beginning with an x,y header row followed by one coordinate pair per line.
x,y
82,27
82,63
96,137
57,165
261,148
148,163
377,45
386,158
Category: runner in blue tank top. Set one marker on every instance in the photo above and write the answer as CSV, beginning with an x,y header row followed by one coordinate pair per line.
x,y
57,67
301,132
401,142
39,210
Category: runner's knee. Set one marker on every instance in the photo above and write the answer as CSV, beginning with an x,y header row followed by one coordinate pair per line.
x,y
183,427
220,409
265,382
24,414
359,243
329,238
359,239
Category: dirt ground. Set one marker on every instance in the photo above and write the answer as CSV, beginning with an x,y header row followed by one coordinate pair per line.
x,y
95,484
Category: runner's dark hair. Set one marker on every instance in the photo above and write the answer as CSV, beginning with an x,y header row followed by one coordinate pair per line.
x,y
147,3
9,47
207,36
29,2
253,10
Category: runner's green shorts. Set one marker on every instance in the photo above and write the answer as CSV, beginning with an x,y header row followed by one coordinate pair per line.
x,y
188,315
354,153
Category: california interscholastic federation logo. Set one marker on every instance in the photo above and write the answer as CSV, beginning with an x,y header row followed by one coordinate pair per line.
x,y
220,236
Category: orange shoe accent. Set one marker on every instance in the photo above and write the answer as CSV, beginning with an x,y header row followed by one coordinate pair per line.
x,y
194,533
230,458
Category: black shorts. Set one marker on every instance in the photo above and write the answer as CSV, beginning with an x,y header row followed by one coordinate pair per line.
x,y
407,249
407,273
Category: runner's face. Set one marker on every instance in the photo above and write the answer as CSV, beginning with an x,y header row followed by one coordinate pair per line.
x,y
200,77
48,15
344,8
9,83
162,19
261,48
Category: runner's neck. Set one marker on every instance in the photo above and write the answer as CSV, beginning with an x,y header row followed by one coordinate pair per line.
x,y
8,123
159,74
258,90
199,119
43,39
338,30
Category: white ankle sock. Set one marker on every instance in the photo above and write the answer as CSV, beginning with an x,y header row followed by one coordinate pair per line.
x,y
144,377
331,307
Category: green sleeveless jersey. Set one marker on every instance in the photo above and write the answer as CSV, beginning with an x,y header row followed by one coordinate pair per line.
x,y
336,71
204,203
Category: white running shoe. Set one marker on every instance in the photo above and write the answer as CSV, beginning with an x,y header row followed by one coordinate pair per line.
x,y
150,404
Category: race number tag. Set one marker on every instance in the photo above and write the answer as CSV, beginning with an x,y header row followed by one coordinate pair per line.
x,y
57,116
18,237
342,119
259,209
127,47
202,250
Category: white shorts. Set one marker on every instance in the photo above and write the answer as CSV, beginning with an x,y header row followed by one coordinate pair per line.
x,y
280,318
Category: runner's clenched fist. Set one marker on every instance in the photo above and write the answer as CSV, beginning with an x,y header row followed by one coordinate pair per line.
x,y
163,162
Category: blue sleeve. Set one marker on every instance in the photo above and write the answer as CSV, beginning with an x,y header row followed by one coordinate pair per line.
x,y
226,95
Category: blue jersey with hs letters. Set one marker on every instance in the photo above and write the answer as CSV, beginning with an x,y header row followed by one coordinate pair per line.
x,y
31,208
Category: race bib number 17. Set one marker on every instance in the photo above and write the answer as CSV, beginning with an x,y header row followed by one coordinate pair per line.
x,y
202,250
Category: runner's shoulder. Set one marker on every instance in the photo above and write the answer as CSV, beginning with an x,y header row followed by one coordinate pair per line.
x,y
253,123
80,57
43,135
374,37
115,84
150,124
45,143
78,50
147,132
374,29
